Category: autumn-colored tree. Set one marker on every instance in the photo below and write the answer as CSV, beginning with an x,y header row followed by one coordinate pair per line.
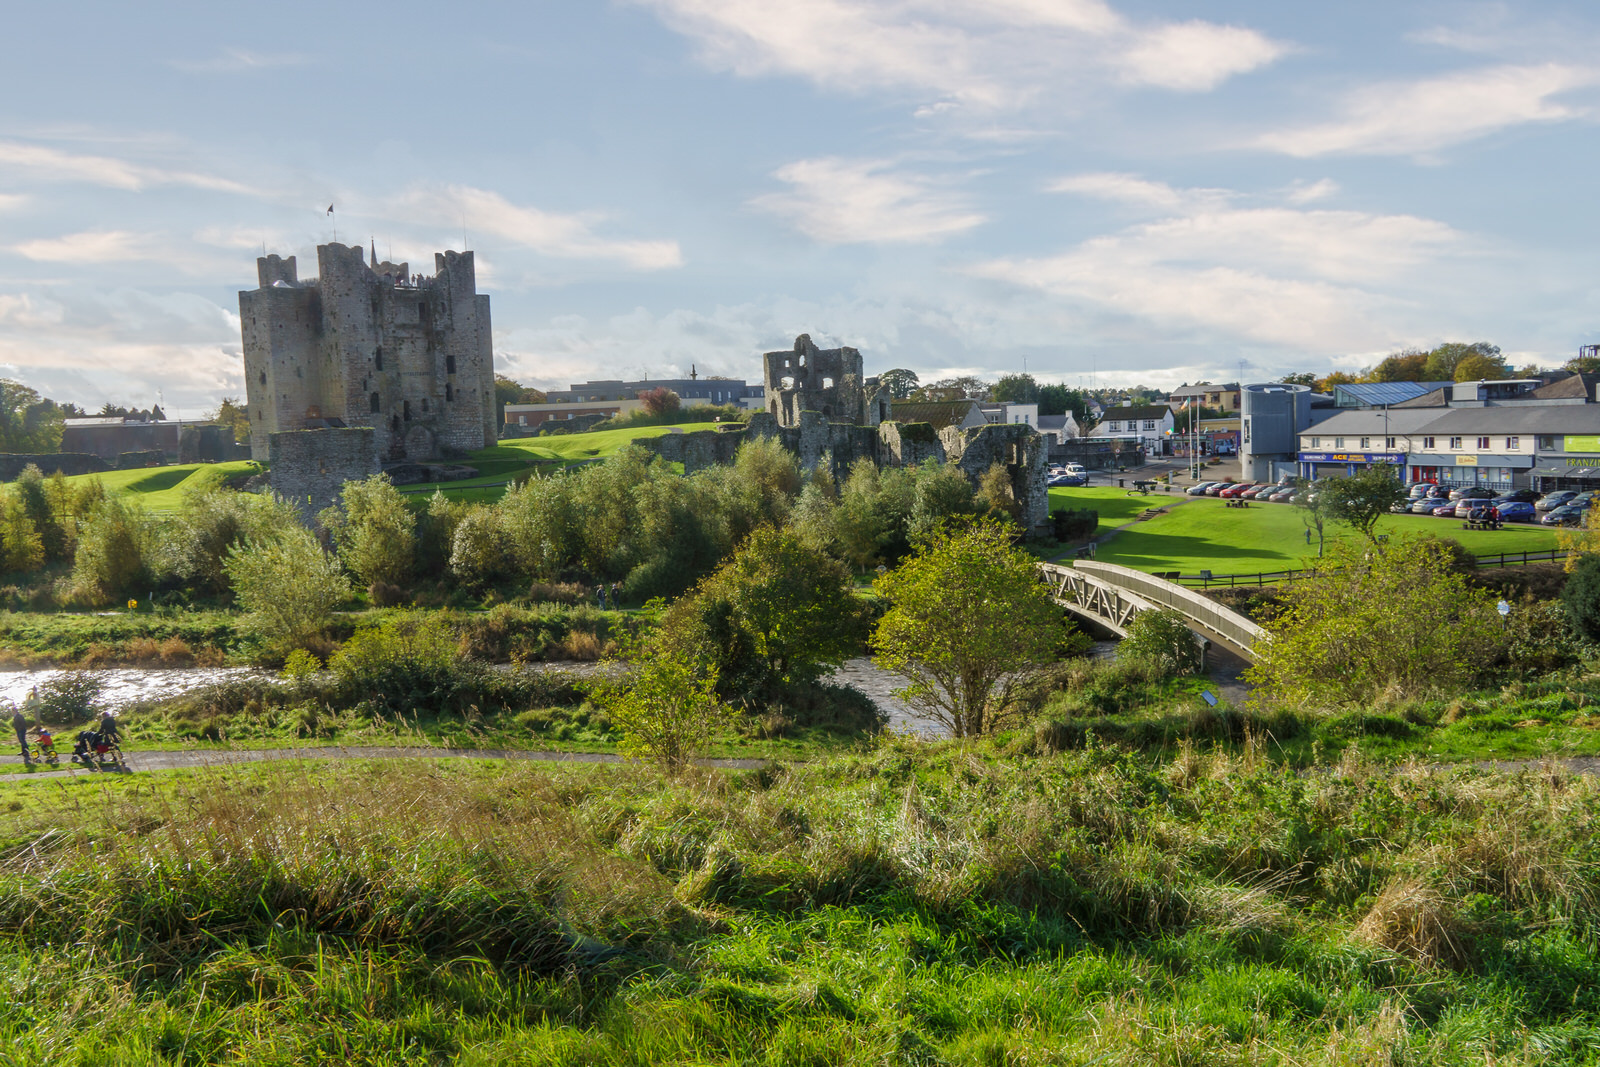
x,y
659,401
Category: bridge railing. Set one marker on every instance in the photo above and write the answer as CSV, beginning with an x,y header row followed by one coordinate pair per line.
x,y
1228,626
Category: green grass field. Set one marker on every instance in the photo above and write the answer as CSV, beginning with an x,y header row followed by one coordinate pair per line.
x,y
1203,534
163,488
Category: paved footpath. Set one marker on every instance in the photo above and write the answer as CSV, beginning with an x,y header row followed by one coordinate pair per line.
x,y
166,761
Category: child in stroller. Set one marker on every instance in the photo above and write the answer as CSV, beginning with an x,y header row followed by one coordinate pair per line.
x,y
96,751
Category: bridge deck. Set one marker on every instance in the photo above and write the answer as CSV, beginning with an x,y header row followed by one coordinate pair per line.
x,y
1113,595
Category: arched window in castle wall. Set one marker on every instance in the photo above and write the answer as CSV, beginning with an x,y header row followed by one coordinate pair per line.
x,y
405,410
373,400
377,358
450,363
449,393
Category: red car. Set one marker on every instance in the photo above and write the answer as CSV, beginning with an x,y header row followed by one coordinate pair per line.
x,y
1233,492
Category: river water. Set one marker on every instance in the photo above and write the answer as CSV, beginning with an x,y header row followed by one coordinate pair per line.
x,y
123,686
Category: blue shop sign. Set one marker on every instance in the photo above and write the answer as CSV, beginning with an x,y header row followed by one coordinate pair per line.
x,y
1352,457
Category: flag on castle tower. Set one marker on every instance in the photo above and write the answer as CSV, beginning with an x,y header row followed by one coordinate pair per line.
x,y
330,209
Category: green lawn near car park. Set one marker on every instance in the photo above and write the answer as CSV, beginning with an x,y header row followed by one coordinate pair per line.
x,y
1116,506
1204,534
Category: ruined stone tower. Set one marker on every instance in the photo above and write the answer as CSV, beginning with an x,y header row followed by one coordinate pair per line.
x,y
825,380
408,355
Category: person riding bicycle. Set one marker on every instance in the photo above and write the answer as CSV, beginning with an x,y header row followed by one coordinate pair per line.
x,y
46,744
109,732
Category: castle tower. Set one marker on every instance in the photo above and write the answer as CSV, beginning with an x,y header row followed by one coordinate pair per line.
x,y
370,345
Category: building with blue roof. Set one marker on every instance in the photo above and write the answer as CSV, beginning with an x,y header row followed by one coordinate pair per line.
x,y
1363,396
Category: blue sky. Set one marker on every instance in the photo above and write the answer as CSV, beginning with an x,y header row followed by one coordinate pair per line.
x,y
1128,192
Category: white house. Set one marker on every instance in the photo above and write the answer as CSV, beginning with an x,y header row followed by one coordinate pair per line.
x,y
1148,424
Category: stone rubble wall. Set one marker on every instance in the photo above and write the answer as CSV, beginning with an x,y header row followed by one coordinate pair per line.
x,y
310,467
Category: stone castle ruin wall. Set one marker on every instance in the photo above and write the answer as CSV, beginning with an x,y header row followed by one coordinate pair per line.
x,y
310,467
407,355
813,434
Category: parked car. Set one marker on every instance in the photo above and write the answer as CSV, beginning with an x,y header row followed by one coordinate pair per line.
x,y
1554,500
1581,500
1517,496
1565,515
1472,492
1418,490
1401,508
1064,481
1076,468
1426,505
1284,496
1258,492
1447,510
1234,492
1199,488
1216,488
1516,511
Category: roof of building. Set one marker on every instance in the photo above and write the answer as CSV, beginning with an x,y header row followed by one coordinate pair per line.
x,y
1144,411
1377,394
1516,418
1436,398
1371,422
939,413
1055,422
1202,388
1574,386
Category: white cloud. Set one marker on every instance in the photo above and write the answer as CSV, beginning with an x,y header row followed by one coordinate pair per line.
x,y
1319,280
239,61
1412,117
54,164
91,246
840,201
1196,56
1001,54
12,201
564,236
1309,192
1134,190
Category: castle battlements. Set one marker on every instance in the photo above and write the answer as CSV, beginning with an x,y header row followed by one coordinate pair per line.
x,y
409,355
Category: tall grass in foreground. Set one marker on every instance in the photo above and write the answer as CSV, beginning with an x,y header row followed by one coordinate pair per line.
x,y
911,904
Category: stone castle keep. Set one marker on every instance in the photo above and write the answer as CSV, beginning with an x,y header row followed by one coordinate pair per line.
x,y
369,346
821,408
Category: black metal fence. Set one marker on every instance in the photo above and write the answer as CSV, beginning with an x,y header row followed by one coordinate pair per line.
x,y
1207,580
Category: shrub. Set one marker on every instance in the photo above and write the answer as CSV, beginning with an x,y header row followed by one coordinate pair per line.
x,y
68,698
1581,597
115,552
375,531
664,711
480,552
1161,639
288,585
406,664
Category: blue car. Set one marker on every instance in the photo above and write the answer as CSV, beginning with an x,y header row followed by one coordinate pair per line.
x,y
1517,511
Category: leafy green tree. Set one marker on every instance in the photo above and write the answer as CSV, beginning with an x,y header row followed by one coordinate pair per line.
x,y
116,552
968,617
375,531
943,493
1361,499
232,414
1478,367
1313,507
288,586
21,550
480,552
1444,360
1410,365
659,401
540,517
211,523
509,391
33,492
1377,623
996,495
900,382
28,423
1056,399
1305,378
778,614
1016,388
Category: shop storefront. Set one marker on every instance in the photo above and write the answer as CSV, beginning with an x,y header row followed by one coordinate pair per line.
x,y
1499,473
1323,464
1579,472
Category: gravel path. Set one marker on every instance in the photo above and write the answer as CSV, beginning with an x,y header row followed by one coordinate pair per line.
x,y
166,761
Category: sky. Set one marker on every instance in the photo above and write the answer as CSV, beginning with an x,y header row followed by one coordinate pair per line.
x,y
1097,192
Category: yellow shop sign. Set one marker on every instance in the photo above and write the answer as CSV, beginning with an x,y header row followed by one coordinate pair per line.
x,y
1466,461
1582,444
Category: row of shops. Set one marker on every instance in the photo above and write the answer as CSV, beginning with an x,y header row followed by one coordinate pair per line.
x,y
1500,473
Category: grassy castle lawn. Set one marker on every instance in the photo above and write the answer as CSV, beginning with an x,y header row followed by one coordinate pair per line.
x,y
163,488
1204,534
